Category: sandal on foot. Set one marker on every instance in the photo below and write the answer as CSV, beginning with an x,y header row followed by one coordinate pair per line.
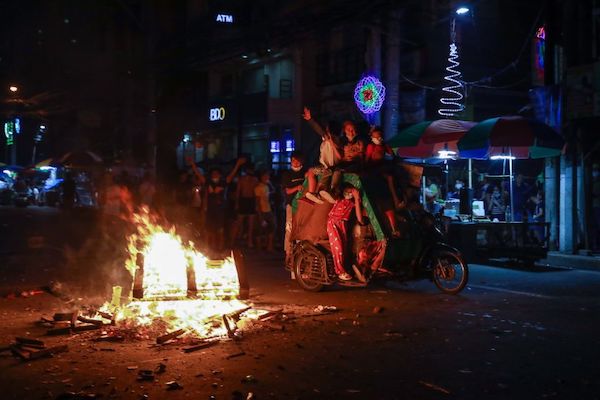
x,y
344,276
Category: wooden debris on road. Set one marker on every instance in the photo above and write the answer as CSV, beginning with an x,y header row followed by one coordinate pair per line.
x,y
30,341
234,355
169,336
64,316
85,328
58,331
270,315
200,346
90,321
50,351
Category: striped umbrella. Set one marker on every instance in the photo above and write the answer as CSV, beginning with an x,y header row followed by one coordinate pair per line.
x,y
429,138
511,136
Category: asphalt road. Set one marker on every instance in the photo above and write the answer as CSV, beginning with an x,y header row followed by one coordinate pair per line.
x,y
511,334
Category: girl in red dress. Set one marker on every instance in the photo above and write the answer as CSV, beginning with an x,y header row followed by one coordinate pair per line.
x,y
337,228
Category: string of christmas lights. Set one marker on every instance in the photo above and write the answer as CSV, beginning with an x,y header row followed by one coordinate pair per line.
x,y
452,99
454,96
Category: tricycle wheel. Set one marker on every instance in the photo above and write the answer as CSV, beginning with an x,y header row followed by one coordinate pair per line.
x,y
308,266
450,271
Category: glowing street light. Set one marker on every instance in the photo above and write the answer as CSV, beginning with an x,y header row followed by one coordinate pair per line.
x,y
13,88
462,10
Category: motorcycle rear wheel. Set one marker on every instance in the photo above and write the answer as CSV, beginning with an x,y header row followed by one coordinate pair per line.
x,y
450,272
306,265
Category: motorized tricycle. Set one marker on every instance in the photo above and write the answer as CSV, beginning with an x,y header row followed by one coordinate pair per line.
x,y
420,251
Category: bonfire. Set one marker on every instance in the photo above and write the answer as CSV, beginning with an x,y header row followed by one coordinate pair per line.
x,y
174,286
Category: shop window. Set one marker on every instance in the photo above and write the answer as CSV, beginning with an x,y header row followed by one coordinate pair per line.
x,y
285,88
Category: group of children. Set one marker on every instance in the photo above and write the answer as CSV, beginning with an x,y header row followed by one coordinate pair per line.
x,y
338,155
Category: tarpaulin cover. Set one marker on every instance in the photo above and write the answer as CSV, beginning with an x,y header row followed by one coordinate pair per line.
x,y
312,221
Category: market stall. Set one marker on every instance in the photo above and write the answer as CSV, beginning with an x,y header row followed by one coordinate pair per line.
x,y
470,226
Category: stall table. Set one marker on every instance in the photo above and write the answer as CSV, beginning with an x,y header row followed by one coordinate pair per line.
x,y
482,241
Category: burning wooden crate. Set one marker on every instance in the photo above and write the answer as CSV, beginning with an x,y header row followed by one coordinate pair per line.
x,y
176,284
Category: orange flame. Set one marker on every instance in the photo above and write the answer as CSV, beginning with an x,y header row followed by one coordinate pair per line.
x,y
167,263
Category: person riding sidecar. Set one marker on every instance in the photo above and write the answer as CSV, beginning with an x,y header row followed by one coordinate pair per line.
x,y
332,242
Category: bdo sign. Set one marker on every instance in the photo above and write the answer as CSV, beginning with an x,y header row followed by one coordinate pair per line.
x,y
216,114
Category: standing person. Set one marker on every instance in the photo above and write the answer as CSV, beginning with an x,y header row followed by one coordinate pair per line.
x,y
245,203
538,215
264,210
182,198
215,209
337,228
215,202
378,168
197,196
496,205
292,184
521,193
147,190
69,192
432,193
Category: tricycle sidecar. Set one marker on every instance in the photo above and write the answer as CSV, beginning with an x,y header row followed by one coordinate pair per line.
x,y
419,252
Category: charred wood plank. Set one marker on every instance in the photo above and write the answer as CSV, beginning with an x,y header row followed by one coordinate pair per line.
x,y
270,314
50,351
29,341
59,331
85,328
90,320
63,316
200,346
169,336
19,352
110,338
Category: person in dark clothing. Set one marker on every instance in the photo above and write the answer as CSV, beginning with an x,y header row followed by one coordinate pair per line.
x,y
521,194
292,184
216,205
215,209
69,192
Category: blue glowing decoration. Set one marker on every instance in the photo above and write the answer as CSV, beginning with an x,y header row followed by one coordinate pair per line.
x,y
369,95
462,10
17,125
290,145
275,146
538,55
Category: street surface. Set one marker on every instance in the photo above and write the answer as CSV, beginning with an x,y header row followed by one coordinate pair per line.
x,y
511,334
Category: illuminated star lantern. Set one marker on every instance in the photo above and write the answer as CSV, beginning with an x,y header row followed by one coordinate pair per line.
x,y
369,95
